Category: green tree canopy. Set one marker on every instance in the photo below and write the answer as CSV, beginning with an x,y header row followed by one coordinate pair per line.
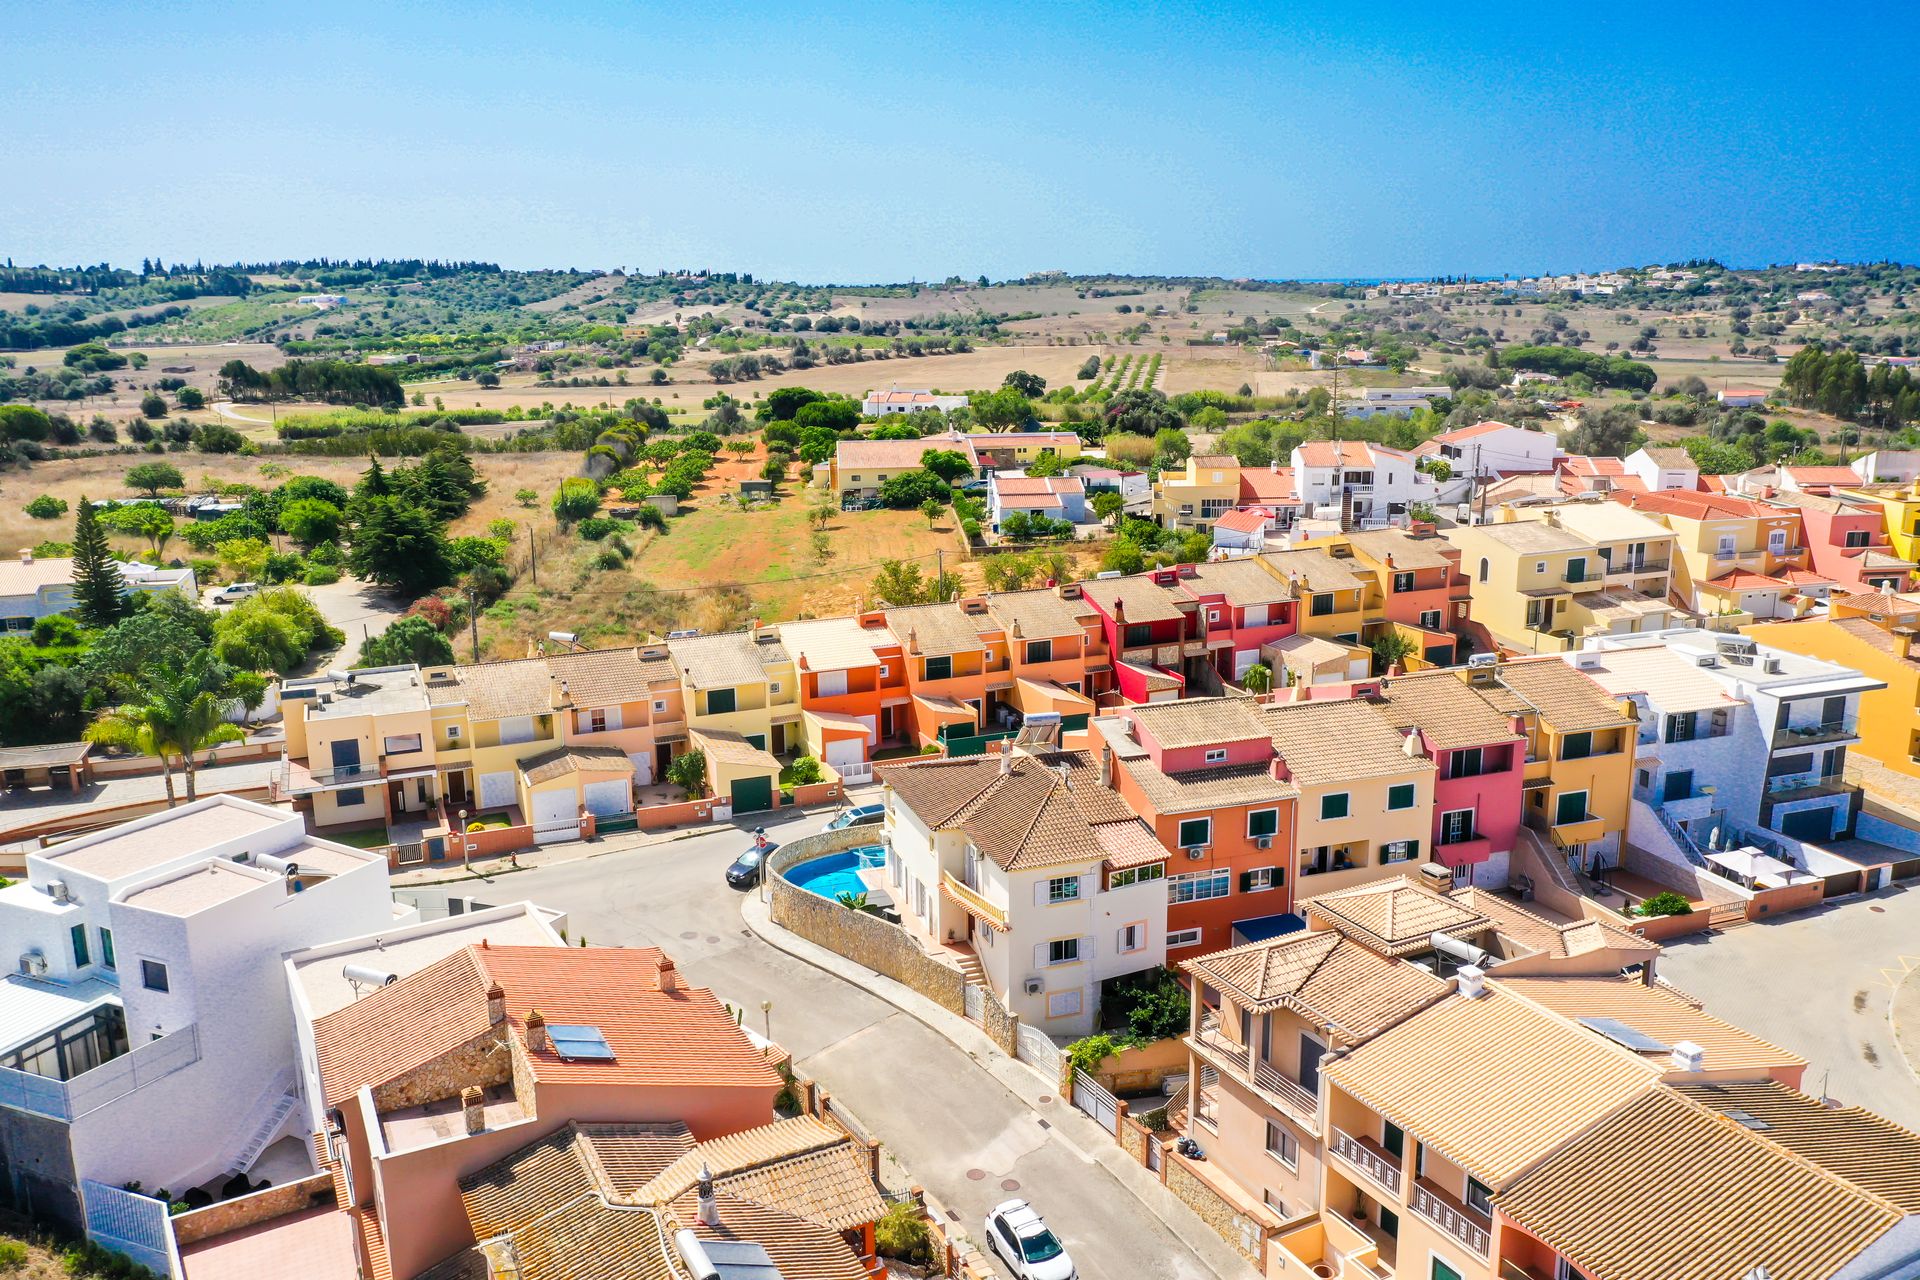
x,y
155,476
412,638
99,591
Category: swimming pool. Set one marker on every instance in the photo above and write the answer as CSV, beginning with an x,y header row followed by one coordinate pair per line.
x,y
837,873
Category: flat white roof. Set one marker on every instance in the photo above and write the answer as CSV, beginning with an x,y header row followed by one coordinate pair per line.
x,y
144,844
207,885
29,1009
411,948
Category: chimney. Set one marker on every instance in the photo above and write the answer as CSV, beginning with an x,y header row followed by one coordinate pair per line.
x,y
1412,744
26,555
913,639
1473,981
1688,1056
471,1103
667,977
1066,776
1106,767
709,1205
537,1032
1119,612
1006,756
496,1004
1903,642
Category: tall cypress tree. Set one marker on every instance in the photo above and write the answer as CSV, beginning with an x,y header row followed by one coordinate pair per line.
x,y
99,592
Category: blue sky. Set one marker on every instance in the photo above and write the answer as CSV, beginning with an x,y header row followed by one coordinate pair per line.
x,y
843,142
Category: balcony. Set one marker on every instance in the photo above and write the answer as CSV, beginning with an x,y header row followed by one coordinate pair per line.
x,y
972,902
1580,831
1804,786
1456,1219
1244,1064
1636,568
1812,735
1536,769
1463,853
1371,1159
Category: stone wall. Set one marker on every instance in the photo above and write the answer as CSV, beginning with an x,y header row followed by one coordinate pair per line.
x,y
865,939
1133,1139
1227,1222
247,1211
1001,1025
482,1060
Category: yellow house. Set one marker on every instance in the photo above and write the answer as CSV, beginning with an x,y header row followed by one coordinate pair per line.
x,y
1578,779
738,772
1366,805
1194,498
1876,642
1010,450
1545,577
1900,511
1733,556
360,746
1332,596
487,720
742,682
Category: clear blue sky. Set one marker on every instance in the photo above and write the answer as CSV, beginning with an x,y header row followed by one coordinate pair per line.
x,y
838,142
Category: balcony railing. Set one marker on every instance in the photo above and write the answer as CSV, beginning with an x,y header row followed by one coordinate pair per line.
x,y
109,1082
1371,1159
1243,1063
1452,1217
1811,782
1807,735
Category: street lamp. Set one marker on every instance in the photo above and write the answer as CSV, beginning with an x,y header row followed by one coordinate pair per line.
x,y
766,1019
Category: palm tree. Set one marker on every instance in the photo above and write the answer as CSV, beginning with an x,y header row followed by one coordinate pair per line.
x,y
173,711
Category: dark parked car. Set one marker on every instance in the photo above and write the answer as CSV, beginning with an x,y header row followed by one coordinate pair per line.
x,y
744,871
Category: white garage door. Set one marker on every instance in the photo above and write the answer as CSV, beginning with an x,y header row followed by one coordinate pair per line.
x,y
642,766
556,816
496,790
605,799
844,751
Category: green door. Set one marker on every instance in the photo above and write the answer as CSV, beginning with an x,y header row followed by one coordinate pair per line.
x,y
751,795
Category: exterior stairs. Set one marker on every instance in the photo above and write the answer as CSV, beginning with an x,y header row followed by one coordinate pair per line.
x,y
972,970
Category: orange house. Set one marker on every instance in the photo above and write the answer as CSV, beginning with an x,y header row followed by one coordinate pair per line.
x,y
1052,640
853,688
944,649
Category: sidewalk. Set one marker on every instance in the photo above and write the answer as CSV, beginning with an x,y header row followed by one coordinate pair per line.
x,y
1034,1091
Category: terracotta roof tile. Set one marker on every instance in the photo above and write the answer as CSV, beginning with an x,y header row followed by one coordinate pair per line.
x,y
607,677
1322,976
1448,711
1271,485
1039,614
1660,1014
1868,1150
800,1165
1023,819
1144,599
1199,722
726,661
497,690
1210,788
1567,700
939,630
1333,741
1397,916
1315,569
1242,583
574,759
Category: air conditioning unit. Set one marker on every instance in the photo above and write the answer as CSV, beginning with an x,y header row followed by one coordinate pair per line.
x,y
33,964
1034,986
1195,853
57,890
1263,842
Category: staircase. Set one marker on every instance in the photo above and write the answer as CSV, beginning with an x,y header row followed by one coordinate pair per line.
x,y
373,1244
268,1127
971,969
265,1118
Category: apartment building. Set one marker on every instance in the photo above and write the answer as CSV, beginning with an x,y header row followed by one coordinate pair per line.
x,y
1538,587
1847,544
424,1081
145,1031
1776,743
1271,488
1479,758
1363,485
1664,467
1872,635
1031,862
1579,766
1198,494
1734,556
1366,800
1203,775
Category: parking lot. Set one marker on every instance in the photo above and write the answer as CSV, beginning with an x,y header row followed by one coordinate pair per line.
x,y
1824,985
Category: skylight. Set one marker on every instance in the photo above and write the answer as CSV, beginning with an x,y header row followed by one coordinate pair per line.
x,y
1622,1034
584,1043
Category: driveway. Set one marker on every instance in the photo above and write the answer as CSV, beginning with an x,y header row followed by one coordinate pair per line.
x,y
359,609
1821,984
958,1131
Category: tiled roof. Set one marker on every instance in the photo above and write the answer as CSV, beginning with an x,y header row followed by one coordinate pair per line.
x,y
401,1026
798,1249
497,690
25,577
1822,475
1241,583
1397,916
1603,522
1666,1189
1209,788
1746,580
801,1165
574,759
1315,569
1039,614
39,757
1448,711
1144,599
1036,486
1568,701
1238,521
728,747
1537,1082
607,677
628,1156
1541,936
1342,453
1270,485
1322,976
938,630
1477,429
1658,1013
1867,1150
1213,461
1872,634
535,1180
1581,465
896,455
1330,742
1671,458
1022,819
1199,722
1876,602
1689,505
1406,551
726,661
834,644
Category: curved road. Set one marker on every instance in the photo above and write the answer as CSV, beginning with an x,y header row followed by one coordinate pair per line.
x,y
226,410
958,1131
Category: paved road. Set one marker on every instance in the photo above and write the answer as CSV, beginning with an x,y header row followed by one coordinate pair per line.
x,y
358,608
1819,984
226,410
939,1111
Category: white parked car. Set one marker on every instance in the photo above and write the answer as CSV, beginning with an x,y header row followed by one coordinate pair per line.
x,y
236,592
1019,1238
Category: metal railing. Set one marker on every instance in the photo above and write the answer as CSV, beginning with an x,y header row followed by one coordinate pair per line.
x,y
1458,1221
1245,1064
109,1082
1807,735
1680,837
1379,1167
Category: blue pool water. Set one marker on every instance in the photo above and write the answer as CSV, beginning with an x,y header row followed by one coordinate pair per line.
x,y
837,873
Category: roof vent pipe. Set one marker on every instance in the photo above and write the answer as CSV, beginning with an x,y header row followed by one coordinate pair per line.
x,y
694,1255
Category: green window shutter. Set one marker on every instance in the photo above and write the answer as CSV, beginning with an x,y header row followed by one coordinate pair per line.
x,y
1400,796
1263,822
1334,806
1195,831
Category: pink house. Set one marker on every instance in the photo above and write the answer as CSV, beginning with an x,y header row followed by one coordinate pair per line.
x,y
1244,602
1480,759
1849,543
1148,622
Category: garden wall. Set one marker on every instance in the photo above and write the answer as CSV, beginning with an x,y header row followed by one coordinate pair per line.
x,y
865,939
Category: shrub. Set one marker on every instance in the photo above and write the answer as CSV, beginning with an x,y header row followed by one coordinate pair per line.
x,y
13,1255
594,528
47,507
1154,1004
1087,1053
576,499
805,770
321,575
1665,903
902,1233
688,771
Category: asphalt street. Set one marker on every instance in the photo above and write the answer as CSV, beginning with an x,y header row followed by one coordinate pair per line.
x,y
958,1131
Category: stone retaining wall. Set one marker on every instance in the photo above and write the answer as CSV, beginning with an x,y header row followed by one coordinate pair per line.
x,y
1001,1025
1227,1222
865,939
247,1211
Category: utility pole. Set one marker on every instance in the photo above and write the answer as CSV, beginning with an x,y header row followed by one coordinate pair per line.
x,y
533,553
940,570
473,622
1481,481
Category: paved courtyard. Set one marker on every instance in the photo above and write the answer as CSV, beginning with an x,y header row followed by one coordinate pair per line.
x,y
1823,985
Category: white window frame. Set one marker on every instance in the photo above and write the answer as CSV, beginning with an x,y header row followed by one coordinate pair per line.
x,y
1182,938
1063,889
1052,943
1216,755
1260,879
659,706
1133,937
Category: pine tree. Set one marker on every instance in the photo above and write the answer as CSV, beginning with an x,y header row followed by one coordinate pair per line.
x,y
99,592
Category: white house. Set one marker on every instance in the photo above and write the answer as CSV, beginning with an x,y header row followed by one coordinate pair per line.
x,y
1741,397
1241,532
146,1033
895,400
1488,449
1373,402
1887,466
1044,872
1358,482
32,588
1055,497
1134,487
1664,467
